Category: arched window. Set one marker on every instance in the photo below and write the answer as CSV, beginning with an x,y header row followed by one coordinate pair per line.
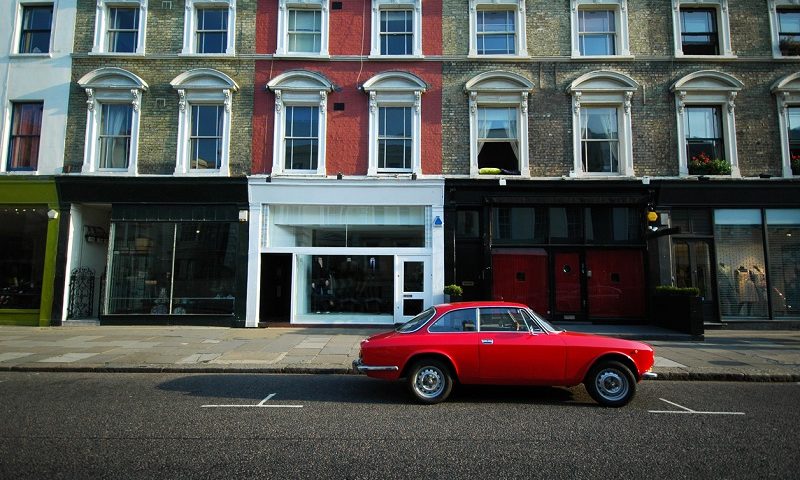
x,y
395,113
705,103
301,101
498,123
204,121
113,109
601,123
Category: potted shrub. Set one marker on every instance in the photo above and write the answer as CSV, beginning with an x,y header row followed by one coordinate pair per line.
x,y
678,309
702,164
453,293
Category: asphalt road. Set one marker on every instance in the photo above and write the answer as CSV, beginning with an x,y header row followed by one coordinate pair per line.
x,y
93,425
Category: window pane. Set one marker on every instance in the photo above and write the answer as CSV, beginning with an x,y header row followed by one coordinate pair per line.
x,y
740,272
697,21
519,225
26,125
345,284
206,120
599,123
789,24
396,21
115,135
597,44
794,123
702,122
783,237
395,121
36,25
23,235
497,123
212,19
596,21
124,18
495,21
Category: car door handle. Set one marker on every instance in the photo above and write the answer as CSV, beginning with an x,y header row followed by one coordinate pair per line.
x,y
487,341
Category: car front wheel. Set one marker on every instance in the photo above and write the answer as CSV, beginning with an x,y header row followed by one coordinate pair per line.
x,y
430,381
611,384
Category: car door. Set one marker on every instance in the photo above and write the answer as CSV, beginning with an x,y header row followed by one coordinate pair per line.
x,y
518,355
454,334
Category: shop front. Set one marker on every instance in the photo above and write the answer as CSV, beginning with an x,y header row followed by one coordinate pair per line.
x,y
366,252
166,258
571,251
29,229
739,244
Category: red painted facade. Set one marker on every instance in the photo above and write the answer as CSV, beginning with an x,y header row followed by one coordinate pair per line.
x,y
348,129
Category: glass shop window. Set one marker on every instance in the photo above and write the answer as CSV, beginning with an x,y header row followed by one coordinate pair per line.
x,y
741,271
783,241
23,241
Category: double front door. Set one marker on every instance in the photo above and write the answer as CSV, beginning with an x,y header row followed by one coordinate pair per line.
x,y
586,284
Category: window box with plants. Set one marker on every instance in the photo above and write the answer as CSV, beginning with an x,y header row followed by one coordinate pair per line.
x,y
679,309
795,163
789,48
453,293
702,164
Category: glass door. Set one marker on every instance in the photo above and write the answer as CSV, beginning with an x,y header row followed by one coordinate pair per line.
x,y
412,287
693,269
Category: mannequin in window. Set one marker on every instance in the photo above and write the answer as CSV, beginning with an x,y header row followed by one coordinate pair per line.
x,y
747,291
320,286
727,293
760,282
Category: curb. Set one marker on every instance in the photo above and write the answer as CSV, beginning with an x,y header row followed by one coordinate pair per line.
x,y
662,376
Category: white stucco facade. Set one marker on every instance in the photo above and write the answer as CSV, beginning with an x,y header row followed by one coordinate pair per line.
x,y
36,77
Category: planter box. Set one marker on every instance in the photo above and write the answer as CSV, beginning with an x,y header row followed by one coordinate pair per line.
x,y
682,313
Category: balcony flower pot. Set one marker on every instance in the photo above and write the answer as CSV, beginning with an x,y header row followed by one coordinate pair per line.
x,y
795,162
702,164
789,48
679,309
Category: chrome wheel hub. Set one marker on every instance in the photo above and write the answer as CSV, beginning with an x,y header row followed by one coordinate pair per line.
x,y
611,384
429,382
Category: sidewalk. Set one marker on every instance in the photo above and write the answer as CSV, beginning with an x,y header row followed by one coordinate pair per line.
x,y
725,355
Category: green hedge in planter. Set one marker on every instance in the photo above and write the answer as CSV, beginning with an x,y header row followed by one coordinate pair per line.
x,y
673,290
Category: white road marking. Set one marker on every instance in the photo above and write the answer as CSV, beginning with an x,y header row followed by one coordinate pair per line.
x,y
261,404
68,358
667,363
4,357
686,410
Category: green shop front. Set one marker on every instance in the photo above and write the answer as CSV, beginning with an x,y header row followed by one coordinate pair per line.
x,y
29,226
155,251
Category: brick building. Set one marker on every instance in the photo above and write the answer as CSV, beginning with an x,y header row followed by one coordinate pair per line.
x,y
572,120
158,146
346,190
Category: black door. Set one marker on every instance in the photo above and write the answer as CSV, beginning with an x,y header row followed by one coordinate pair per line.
x,y
276,287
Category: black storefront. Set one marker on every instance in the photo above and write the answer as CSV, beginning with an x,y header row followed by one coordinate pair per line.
x,y
738,242
153,250
571,249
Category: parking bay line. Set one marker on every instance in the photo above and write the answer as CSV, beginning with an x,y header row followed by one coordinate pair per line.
x,y
686,410
262,404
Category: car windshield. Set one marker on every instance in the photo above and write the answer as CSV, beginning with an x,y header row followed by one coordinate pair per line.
x,y
544,323
417,322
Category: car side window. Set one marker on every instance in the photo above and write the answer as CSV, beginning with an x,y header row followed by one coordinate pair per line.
x,y
502,320
456,321
533,325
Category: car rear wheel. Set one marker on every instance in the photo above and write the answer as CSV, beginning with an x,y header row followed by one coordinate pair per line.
x,y
611,384
430,381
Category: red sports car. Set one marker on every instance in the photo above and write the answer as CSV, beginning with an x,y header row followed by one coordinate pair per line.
x,y
502,343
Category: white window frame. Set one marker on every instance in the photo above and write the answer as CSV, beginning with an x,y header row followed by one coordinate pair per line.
x,y
110,85
620,9
415,6
787,94
17,37
299,88
283,27
603,88
190,26
102,21
521,38
499,89
202,86
395,89
723,26
708,87
774,25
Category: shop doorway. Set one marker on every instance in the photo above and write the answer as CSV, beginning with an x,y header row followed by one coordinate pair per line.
x,y
276,287
413,284
692,263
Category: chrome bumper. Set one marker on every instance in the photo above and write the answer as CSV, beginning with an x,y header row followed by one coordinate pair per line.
x,y
359,366
649,376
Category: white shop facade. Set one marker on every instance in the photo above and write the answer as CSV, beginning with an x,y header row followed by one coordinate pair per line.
x,y
344,251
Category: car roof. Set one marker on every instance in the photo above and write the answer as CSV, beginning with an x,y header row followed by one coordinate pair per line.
x,y
446,307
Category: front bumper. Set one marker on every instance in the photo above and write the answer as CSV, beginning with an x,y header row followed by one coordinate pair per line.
x,y
359,366
649,376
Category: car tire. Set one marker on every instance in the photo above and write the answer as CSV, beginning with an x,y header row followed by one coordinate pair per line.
x,y
611,384
430,381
